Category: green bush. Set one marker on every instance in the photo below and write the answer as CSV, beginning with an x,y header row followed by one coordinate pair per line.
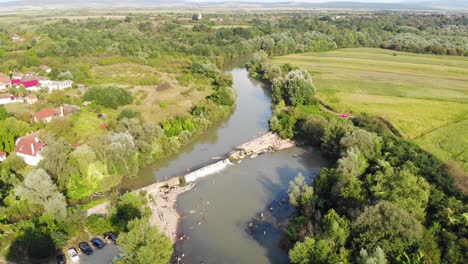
x,y
110,97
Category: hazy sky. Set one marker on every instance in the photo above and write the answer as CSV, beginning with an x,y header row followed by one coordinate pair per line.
x,y
310,1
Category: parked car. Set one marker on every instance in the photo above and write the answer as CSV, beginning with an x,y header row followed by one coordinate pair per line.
x,y
73,255
111,236
61,259
97,242
86,248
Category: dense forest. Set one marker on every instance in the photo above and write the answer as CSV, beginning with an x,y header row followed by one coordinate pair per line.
x,y
378,181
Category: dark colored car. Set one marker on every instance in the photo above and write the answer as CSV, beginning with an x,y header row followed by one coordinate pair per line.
x,y
111,236
61,259
86,248
97,242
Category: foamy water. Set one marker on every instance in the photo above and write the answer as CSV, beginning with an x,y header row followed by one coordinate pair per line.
x,y
207,170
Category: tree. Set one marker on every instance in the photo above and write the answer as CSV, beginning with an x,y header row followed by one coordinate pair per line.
x,y
377,257
55,162
129,206
388,226
367,143
313,128
297,88
404,189
301,194
336,228
39,190
10,130
144,244
3,113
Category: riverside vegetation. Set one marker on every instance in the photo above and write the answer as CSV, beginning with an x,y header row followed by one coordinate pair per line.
x,y
154,83
384,200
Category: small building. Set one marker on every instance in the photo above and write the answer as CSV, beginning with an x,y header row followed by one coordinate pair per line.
x,y
81,87
3,155
46,115
29,148
45,68
9,99
32,85
17,38
56,85
5,81
67,109
17,76
30,99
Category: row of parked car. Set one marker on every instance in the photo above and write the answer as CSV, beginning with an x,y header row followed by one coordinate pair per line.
x,y
86,248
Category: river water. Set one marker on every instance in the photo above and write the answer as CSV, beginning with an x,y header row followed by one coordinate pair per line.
x,y
217,212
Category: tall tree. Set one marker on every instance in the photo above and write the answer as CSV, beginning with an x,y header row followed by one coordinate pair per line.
x,y
144,244
39,190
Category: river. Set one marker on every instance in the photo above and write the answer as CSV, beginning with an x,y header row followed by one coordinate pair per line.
x,y
217,212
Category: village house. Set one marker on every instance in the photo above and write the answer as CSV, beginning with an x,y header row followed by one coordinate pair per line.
x,y
56,85
8,99
29,85
3,156
45,68
46,115
16,76
29,148
5,81
30,99
17,38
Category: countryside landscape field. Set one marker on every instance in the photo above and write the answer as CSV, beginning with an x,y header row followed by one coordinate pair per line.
x,y
423,96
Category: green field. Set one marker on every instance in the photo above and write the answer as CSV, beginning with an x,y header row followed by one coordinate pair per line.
x,y
425,97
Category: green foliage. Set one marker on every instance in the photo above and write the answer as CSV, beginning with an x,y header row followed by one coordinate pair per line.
x,y
313,129
367,143
98,224
404,189
144,244
296,89
56,160
39,190
387,226
301,194
129,206
110,97
3,113
127,113
376,257
10,130
283,122
223,96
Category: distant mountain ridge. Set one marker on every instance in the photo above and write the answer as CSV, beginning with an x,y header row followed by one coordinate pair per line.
x,y
416,4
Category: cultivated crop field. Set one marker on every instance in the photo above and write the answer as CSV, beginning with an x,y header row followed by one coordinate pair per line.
x,y
424,96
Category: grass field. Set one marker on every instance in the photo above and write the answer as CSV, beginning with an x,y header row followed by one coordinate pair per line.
x,y
424,96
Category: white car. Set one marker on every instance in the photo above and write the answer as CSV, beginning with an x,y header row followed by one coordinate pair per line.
x,y
73,255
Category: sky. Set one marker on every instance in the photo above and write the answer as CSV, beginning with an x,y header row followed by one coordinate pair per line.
x,y
309,1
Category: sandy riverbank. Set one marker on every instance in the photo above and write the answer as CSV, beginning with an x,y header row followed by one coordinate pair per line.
x,y
162,199
162,202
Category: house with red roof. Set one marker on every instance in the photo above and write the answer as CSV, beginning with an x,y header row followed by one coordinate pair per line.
x,y
46,115
3,155
29,148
